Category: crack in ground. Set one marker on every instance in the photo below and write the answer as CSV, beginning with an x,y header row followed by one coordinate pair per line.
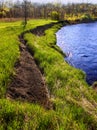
x,y
28,83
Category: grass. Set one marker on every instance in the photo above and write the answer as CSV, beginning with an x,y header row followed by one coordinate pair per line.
x,y
16,115
9,48
73,99
74,102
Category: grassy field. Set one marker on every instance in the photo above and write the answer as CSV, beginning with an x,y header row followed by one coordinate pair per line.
x,y
9,48
74,102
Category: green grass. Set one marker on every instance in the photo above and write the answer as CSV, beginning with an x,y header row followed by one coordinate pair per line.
x,y
73,99
9,48
74,102
16,116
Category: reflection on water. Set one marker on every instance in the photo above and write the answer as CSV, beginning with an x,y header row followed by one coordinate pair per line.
x,y
79,42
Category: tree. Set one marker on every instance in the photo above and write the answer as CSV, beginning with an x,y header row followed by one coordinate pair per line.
x,y
54,15
25,13
4,9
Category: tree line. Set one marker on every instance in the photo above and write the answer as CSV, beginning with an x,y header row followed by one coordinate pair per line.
x,y
49,10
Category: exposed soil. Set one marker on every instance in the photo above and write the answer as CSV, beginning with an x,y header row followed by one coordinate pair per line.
x,y
28,83
40,30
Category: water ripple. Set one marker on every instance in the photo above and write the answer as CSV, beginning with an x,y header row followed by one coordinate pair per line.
x,y
79,42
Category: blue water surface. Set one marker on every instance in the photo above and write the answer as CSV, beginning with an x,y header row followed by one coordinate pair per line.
x,y
79,42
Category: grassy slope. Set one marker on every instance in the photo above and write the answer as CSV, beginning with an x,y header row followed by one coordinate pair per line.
x,y
9,48
74,102
16,115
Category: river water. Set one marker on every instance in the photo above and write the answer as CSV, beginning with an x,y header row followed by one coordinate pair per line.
x,y
79,42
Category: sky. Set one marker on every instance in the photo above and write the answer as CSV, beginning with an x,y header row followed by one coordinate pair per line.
x,y
61,1
65,1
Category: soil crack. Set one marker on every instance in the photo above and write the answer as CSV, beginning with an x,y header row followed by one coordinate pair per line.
x,y
28,83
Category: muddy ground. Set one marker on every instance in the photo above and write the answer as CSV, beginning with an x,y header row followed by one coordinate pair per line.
x,y
28,83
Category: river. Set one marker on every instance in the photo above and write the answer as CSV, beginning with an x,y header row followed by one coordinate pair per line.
x,y
79,43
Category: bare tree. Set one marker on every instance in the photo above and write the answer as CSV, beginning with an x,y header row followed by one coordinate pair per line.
x,y
25,13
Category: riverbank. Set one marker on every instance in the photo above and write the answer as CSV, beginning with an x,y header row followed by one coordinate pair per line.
x,y
74,103
69,92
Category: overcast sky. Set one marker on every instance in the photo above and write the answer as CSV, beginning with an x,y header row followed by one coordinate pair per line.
x,y
65,1
62,1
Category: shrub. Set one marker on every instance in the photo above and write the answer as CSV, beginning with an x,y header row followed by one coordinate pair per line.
x,y
54,15
86,17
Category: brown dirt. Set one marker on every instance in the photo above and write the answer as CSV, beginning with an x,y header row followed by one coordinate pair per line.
x,y
28,83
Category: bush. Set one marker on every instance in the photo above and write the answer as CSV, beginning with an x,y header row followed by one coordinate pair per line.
x,y
86,17
54,15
